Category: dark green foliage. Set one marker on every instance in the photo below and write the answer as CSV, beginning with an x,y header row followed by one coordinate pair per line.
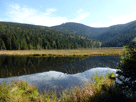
x,y
127,73
113,36
2,45
117,30
79,29
120,41
119,36
15,36
20,65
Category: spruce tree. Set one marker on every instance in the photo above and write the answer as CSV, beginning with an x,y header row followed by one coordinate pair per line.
x,y
127,70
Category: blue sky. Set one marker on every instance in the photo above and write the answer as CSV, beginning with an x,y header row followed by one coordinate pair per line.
x,y
94,13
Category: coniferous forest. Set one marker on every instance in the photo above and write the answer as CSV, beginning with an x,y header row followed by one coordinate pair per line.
x,y
114,36
15,36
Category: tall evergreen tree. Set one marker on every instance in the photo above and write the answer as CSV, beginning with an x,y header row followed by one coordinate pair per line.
x,y
16,36
127,70
2,45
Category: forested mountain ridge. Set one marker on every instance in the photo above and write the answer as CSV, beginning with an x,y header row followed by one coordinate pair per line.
x,y
117,30
120,41
122,37
113,36
65,36
102,34
16,36
79,29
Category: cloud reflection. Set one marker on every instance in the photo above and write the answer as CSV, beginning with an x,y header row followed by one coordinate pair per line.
x,y
58,80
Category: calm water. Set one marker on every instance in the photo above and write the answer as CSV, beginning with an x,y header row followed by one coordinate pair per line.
x,y
55,73
16,65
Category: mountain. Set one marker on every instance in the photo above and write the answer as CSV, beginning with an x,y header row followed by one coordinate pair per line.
x,y
120,37
79,29
17,36
116,35
67,35
120,41
117,30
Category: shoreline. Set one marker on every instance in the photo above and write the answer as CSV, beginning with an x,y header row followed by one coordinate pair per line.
x,y
65,52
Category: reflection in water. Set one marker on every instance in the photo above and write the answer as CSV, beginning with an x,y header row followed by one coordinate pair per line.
x,y
55,73
59,81
17,65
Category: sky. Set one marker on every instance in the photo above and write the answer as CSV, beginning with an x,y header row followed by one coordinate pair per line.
x,y
93,13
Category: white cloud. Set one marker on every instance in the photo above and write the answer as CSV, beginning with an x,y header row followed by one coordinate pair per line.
x,y
24,14
123,19
116,20
80,11
97,25
81,15
20,14
49,11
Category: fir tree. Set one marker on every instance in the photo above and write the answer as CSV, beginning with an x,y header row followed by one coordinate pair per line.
x,y
127,72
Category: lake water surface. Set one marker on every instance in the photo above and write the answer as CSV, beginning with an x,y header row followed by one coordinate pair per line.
x,y
55,73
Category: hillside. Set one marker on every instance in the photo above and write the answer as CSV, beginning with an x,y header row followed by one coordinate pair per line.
x,y
65,36
16,36
121,37
79,29
113,36
120,41
117,30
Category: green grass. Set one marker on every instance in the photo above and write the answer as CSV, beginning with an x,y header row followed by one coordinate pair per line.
x,y
101,88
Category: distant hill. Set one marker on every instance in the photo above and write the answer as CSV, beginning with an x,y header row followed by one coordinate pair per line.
x,y
17,36
67,35
120,41
121,36
117,30
110,36
79,29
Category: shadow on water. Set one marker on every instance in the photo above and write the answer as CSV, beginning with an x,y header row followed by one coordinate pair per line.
x,y
58,81
20,65
55,73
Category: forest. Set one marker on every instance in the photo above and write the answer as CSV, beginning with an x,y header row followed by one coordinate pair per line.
x,y
114,36
120,41
16,36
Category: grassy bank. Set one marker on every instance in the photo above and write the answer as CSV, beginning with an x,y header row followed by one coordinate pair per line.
x,y
100,90
66,52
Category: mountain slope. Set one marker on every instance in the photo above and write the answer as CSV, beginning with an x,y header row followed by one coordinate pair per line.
x,y
79,29
122,38
117,35
120,41
101,34
116,30
15,36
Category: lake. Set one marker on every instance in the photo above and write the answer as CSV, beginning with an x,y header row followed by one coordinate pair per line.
x,y
56,73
